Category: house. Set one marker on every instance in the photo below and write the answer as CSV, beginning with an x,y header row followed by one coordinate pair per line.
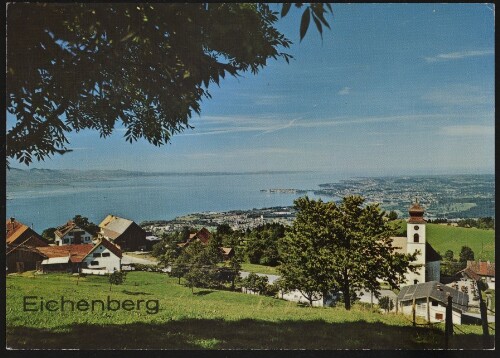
x,y
430,300
428,261
104,257
124,233
480,270
19,234
71,234
21,258
66,258
204,236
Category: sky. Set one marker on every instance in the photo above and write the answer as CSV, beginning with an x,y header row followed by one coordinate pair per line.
x,y
390,89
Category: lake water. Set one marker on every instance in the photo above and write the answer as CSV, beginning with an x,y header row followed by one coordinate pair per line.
x,y
156,197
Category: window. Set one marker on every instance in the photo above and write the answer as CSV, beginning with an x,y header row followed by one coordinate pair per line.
x,y
96,254
94,263
415,238
415,282
66,241
439,316
105,254
434,303
416,227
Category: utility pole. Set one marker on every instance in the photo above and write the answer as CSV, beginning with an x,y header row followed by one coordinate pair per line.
x,y
484,315
448,328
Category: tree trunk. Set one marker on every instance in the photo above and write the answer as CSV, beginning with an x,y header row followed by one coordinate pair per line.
x,y
347,293
110,286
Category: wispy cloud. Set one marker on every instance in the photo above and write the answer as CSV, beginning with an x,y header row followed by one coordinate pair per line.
x,y
460,95
267,125
458,55
468,130
344,91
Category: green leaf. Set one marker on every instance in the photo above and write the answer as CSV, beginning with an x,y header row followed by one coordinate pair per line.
x,y
318,25
304,23
285,9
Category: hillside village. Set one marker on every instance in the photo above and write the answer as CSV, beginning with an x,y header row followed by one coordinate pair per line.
x,y
79,252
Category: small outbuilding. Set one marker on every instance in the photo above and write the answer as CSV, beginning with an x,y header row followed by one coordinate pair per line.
x,y
430,300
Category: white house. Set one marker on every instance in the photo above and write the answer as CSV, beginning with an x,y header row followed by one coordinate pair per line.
x,y
104,257
71,234
428,260
430,300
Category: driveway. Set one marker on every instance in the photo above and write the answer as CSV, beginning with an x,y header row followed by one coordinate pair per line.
x,y
127,260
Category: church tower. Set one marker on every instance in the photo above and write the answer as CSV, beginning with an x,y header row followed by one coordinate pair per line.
x,y
415,240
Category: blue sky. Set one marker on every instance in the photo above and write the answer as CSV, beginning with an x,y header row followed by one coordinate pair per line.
x,y
391,89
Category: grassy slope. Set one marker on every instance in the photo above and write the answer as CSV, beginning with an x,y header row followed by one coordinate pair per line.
x,y
206,319
444,237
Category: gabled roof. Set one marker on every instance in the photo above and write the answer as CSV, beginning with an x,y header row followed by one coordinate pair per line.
x,y
18,233
437,291
76,253
64,229
482,268
113,226
109,245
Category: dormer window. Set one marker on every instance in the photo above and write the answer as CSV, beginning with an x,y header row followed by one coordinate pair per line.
x,y
416,238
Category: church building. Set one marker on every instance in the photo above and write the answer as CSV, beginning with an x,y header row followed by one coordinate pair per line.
x,y
428,260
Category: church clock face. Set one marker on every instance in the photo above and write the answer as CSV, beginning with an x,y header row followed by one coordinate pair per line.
x,y
416,227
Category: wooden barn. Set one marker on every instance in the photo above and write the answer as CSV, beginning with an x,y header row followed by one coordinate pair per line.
x,y
124,233
21,258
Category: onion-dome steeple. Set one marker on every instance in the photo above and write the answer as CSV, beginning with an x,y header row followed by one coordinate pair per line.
x,y
416,214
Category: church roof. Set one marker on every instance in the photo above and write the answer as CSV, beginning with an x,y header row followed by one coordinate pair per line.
x,y
416,214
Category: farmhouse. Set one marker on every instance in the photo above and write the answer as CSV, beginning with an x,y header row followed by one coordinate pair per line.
x,y
430,300
19,234
71,234
104,257
480,270
124,233
20,258
428,261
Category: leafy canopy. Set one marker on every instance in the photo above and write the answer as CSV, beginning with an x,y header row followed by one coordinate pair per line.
x,y
143,67
344,247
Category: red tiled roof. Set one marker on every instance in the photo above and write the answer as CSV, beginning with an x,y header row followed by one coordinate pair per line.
x,y
482,268
64,229
76,252
18,233
204,235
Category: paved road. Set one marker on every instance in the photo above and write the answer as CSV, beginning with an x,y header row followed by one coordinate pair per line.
x,y
271,278
127,260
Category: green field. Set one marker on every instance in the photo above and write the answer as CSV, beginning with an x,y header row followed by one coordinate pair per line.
x,y
207,319
246,266
444,237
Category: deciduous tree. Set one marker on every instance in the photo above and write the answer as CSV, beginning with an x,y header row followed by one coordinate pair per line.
x,y
145,67
344,247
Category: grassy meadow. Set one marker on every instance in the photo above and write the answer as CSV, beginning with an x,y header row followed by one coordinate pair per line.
x,y
205,319
444,237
